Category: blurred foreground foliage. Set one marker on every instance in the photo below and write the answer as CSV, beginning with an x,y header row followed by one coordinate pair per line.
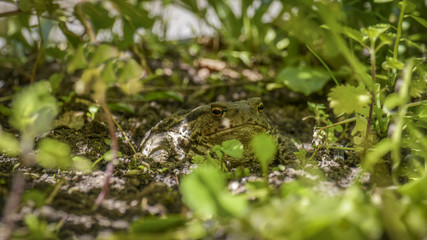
x,y
369,54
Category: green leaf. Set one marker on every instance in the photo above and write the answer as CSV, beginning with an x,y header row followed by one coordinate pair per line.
x,y
36,196
34,109
102,54
392,63
264,147
348,99
305,80
121,107
158,95
155,224
373,32
204,192
9,145
353,34
233,148
98,15
107,74
420,20
132,70
55,80
82,164
376,153
25,5
54,154
78,61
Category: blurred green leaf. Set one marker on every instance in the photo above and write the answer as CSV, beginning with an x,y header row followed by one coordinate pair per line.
x,y
305,80
55,80
264,147
9,145
131,70
155,224
121,107
34,109
98,15
82,164
392,63
103,53
348,99
373,32
233,148
158,95
376,153
78,61
36,196
420,20
204,192
53,154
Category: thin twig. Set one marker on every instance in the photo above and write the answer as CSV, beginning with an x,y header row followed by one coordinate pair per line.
x,y
114,150
12,204
40,52
11,13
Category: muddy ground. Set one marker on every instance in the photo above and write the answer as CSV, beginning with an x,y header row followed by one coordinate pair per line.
x,y
135,192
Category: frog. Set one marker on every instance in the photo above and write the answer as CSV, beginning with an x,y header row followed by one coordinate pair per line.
x,y
185,134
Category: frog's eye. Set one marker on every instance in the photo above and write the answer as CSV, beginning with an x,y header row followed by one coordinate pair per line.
x,y
260,108
217,112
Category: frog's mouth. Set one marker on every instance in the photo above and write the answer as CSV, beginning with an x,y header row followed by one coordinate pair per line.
x,y
239,130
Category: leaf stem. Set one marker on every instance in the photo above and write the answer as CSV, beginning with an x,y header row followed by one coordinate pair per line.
x,y
371,105
40,52
399,30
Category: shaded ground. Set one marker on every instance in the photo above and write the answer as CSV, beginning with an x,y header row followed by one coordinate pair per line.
x,y
135,192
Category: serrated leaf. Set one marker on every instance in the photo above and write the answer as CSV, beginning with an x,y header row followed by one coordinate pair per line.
x,y
34,109
305,80
348,99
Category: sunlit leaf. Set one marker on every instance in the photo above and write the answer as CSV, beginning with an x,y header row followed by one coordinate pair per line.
x,y
131,70
264,147
305,80
392,63
373,32
348,99
34,109
204,192
102,54
9,145
233,148
53,154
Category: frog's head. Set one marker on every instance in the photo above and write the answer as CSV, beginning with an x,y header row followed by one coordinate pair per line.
x,y
220,121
